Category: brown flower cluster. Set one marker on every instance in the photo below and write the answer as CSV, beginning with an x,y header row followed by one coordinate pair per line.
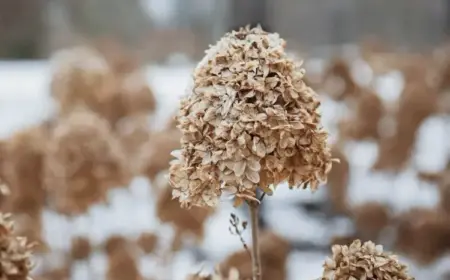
x,y
363,261
250,121
423,234
15,252
21,167
84,77
83,161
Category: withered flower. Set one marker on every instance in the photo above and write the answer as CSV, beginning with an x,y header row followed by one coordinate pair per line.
x,y
84,160
21,166
250,121
366,261
422,234
84,77
15,252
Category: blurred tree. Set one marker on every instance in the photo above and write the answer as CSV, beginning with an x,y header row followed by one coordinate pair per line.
x,y
126,21
21,28
253,12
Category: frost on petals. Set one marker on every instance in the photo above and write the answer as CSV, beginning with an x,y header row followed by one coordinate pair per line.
x,y
249,121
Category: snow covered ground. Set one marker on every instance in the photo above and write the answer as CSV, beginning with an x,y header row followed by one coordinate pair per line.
x,y
25,100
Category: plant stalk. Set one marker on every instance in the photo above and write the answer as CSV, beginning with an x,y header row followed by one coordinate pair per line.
x,y
256,257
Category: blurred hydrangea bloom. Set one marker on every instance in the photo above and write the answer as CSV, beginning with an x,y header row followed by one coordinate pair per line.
x,y
83,162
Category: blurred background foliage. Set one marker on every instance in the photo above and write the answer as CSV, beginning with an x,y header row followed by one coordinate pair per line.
x,y
155,29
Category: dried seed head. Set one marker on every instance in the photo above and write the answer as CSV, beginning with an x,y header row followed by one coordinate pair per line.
x,y
15,252
367,261
249,121
84,161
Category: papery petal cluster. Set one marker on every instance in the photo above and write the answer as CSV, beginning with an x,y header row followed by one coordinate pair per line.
x,y
83,162
15,252
249,121
362,262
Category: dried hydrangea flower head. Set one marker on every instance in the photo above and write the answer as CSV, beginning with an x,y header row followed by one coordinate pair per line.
x,y
422,234
135,95
83,161
21,169
81,75
361,262
249,121
85,77
15,252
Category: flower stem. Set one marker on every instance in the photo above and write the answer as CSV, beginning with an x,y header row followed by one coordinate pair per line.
x,y
256,258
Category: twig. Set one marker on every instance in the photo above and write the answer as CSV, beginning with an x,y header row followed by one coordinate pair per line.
x,y
238,228
256,258
262,197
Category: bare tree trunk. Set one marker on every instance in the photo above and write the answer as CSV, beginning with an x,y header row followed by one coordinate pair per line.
x,y
251,12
